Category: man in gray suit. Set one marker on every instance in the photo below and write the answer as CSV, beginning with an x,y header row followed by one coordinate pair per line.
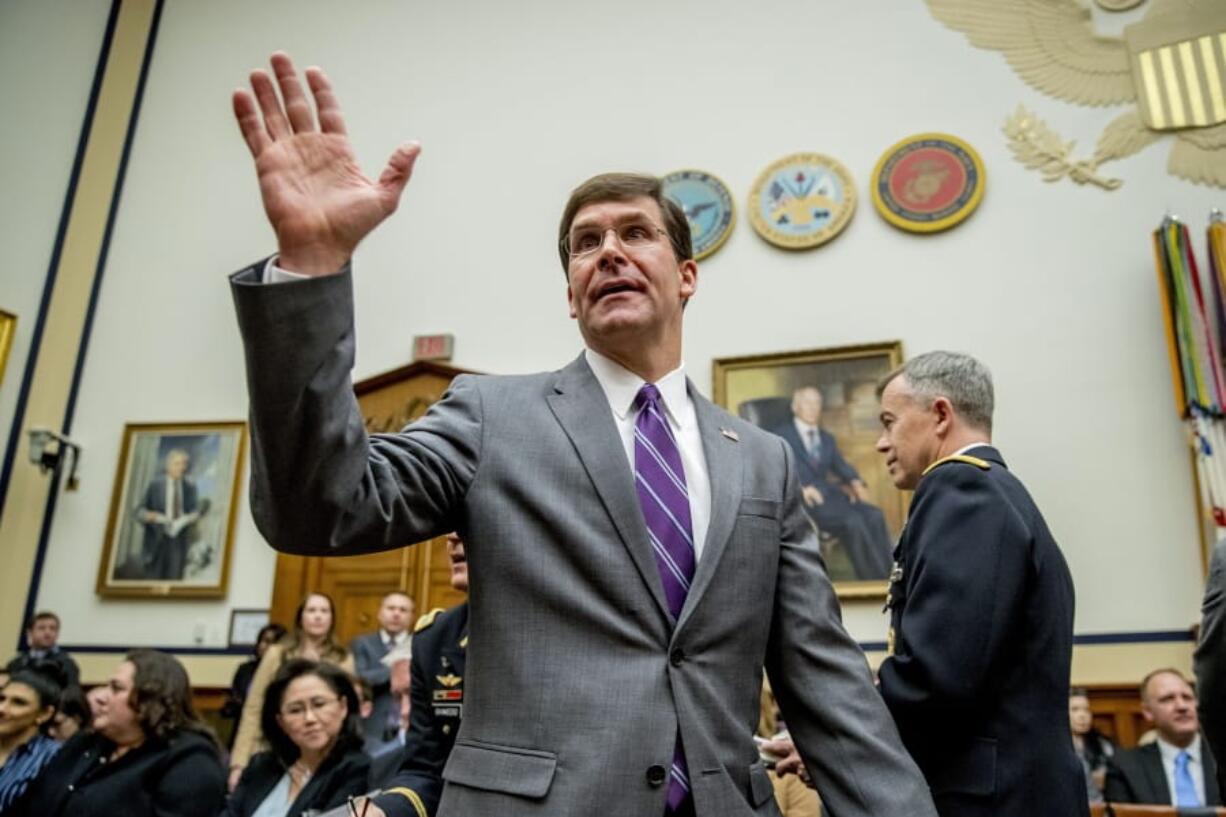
x,y
637,555
1210,661
383,727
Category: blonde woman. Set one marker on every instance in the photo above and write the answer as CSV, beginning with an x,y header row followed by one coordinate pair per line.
x,y
311,638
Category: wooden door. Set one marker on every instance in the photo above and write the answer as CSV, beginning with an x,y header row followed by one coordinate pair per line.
x,y
357,583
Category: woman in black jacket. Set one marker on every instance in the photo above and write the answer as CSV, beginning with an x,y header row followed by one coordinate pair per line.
x,y
148,754
310,718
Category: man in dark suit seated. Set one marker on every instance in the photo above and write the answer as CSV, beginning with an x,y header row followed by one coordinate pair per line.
x,y
42,636
1177,769
834,494
383,726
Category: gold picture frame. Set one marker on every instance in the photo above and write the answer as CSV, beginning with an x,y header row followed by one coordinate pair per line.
x,y
173,507
8,330
858,526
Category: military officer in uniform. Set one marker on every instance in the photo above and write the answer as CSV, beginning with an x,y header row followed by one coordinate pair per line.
x,y
440,641
981,604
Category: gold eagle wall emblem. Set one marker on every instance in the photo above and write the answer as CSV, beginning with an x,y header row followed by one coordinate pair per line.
x,y
1171,67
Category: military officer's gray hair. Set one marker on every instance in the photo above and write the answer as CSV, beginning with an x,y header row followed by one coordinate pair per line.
x,y
964,381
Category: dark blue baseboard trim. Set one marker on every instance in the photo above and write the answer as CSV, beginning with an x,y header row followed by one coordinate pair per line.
x,y
1091,639
1151,637
121,649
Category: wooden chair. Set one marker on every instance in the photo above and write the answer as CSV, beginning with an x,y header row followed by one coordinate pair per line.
x,y
1134,810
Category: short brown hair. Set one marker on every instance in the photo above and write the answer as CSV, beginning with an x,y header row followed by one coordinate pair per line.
x,y
161,696
1162,671
624,187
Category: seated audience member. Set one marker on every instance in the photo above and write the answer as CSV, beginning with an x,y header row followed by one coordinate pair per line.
x,y
793,794
1177,769
27,705
148,754
310,719
1093,748
232,709
395,615
71,717
42,635
311,638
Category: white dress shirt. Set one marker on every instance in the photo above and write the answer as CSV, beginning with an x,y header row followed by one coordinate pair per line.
x,y
391,641
621,386
1195,767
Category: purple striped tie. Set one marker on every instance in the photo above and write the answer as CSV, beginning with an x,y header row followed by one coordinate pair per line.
x,y
660,480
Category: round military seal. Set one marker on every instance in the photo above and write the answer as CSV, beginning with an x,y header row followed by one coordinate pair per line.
x,y
707,205
928,182
802,201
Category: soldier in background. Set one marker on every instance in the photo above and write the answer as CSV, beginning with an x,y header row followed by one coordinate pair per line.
x,y
440,641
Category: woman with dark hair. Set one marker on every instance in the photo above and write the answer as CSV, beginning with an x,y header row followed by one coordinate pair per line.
x,y
232,709
311,638
148,754
27,705
1093,748
72,716
310,718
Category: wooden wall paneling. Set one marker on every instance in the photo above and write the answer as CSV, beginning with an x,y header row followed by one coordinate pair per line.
x,y
357,583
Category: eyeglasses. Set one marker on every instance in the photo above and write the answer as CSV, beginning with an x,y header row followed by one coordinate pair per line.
x,y
633,235
298,709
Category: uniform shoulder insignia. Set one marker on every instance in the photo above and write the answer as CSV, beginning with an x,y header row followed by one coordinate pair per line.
x,y
426,620
969,460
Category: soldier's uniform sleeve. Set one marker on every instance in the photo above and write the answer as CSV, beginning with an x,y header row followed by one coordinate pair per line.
x,y
965,564
418,785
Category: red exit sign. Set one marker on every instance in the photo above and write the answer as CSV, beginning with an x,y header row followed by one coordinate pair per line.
x,y
433,347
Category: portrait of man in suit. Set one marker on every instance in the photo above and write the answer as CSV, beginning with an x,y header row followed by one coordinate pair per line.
x,y
834,494
169,512
172,515
823,403
636,555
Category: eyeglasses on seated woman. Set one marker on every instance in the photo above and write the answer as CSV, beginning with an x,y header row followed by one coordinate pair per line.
x,y
310,719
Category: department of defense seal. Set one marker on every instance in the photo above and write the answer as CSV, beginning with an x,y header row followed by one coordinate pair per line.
x,y
707,205
802,201
928,182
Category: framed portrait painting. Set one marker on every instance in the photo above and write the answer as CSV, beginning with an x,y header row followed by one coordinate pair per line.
x,y
173,508
823,403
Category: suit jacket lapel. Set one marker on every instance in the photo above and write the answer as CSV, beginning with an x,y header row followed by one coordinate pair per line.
x,y
1156,775
581,408
723,456
1213,795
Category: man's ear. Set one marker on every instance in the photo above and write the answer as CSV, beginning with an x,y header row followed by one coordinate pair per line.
x,y
944,411
688,270
570,300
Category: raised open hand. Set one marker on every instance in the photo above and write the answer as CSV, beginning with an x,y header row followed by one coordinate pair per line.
x,y
318,201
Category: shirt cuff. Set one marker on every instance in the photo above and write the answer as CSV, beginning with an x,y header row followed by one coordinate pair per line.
x,y
274,274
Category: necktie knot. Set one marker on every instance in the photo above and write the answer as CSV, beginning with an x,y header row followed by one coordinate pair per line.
x,y
1181,760
648,395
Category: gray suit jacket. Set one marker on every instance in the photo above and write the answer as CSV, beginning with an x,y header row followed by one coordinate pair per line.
x,y
368,651
577,678
1210,660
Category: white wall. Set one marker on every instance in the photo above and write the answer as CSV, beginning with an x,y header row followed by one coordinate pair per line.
x,y
1052,285
48,52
